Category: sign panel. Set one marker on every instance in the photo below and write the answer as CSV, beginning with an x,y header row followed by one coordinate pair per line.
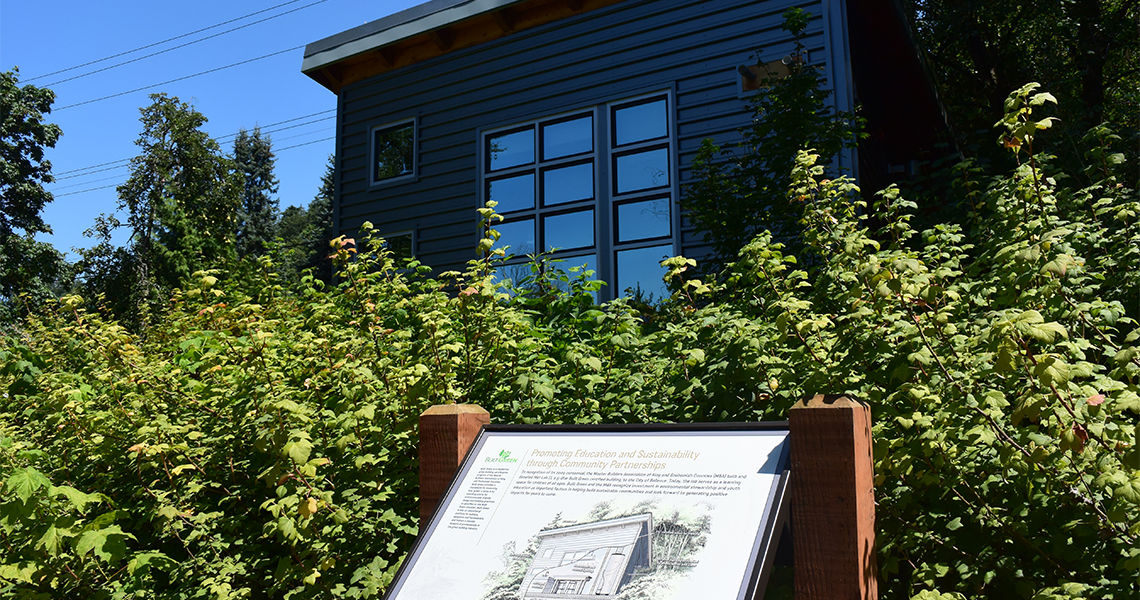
x,y
652,512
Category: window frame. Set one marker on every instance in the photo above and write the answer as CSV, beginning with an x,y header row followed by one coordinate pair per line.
x,y
411,176
606,201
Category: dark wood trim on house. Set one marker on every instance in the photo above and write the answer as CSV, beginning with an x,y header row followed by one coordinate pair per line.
x,y
456,36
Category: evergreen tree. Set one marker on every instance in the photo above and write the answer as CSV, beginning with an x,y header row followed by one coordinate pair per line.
x,y
181,201
257,214
305,233
27,266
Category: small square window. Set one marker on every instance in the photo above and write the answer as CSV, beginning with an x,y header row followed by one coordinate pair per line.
x,y
393,151
401,245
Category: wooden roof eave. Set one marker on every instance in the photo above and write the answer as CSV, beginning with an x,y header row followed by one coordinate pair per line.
x,y
482,28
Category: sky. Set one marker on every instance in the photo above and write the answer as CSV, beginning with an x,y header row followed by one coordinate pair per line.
x,y
44,36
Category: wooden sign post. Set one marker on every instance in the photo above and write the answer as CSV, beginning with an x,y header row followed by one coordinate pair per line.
x,y
833,500
831,488
446,432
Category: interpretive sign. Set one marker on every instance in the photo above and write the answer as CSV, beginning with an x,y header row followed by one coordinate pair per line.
x,y
652,512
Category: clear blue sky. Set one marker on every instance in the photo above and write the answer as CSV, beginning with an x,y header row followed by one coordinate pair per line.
x,y
43,36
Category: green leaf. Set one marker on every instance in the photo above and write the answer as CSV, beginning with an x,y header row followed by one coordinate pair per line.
x,y
25,482
142,561
108,543
77,498
52,540
955,524
1051,370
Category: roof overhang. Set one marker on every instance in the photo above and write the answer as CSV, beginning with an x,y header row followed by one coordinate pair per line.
x,y
426,31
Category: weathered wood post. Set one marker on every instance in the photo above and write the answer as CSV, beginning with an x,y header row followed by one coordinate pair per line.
x,y
833,500
446,432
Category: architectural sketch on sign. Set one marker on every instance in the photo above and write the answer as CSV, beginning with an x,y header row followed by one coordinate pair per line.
x,y
593,559
581,119
619,550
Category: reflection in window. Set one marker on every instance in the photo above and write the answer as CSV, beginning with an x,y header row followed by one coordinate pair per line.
x,y
544,177
640,269
393,151
568,184
512,193
567,138
517,237
643,220
642,170
400,245
569,231
511,149
640,122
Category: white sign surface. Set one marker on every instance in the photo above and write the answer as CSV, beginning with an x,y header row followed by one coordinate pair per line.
x,y
640,513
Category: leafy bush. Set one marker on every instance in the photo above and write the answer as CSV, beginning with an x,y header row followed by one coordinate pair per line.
x,y
260,441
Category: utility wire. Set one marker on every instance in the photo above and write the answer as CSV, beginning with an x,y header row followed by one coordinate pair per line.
x,y
214,70
177,37
93,166
103,187
191,43
122,162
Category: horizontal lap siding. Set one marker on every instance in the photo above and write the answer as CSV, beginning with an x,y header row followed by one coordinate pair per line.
x,y
693,46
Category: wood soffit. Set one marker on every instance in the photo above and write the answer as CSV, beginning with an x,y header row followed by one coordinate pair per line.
x,y
476,30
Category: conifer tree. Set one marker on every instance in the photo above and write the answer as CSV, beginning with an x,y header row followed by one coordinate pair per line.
x,y
181,202
257,214
305,232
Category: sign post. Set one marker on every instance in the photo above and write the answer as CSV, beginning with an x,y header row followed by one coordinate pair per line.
x,y
446,433
833,499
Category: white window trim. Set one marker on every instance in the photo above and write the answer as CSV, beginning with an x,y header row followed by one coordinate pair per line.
x,y
406,178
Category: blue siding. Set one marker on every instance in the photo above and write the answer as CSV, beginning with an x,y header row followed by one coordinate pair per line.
x,y
689,46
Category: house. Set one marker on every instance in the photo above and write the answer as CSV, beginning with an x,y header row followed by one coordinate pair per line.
x,y
591,559
581,118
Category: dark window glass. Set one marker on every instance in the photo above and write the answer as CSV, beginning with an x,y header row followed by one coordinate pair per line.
x,y
640,122
518,235
512,193
640,269
642,170
511,149
400,245
567,138
569,231
643,220
393,150
568,184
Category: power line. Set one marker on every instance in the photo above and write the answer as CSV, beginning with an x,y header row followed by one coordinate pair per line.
x,y
214,70
122,161
103,187
177,37
307,143
93,166
191,43
64,187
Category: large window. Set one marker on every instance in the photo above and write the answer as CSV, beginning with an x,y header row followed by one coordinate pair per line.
x,y
393,151
594,187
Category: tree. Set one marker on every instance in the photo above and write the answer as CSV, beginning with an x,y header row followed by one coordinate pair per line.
x,y
740,191
305,233
1086,52
26,265
181,200
257,214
